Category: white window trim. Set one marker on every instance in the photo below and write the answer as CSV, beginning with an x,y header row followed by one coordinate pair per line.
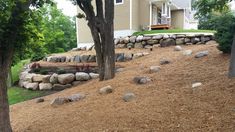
x,y
115,3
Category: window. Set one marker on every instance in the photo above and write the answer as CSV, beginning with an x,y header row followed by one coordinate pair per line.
x,y
118,2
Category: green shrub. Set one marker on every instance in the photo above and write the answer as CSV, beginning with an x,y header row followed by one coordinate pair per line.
x,y
61,71
43,72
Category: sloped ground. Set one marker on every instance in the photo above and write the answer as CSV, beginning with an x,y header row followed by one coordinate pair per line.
x,y
166,104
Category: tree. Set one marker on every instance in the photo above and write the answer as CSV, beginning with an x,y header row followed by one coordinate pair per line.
x,y
204,9
101,26
14,18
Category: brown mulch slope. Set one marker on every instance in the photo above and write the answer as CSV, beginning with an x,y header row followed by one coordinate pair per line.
x,y
166,104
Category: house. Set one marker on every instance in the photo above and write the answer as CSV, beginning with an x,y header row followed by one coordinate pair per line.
x,y
136,15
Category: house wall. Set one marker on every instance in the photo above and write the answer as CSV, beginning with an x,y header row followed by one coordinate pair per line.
x,y
177,19
144,13
122,16
135,15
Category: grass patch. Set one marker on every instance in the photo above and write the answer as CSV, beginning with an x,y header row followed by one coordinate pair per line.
x,y
16,95
173,31
16,69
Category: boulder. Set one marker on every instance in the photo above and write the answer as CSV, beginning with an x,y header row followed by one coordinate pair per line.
x,y
130,45
46,78
142,80
138,45
120,46
143,43
201,54
59,87
116,41
195,40
126,40
38,78
128,97
106,90
152,41
54,78
211,42
31,86
59,101
84,58
187,52
139,38
178,48
45,86
164,61
27,77
157,37
154,69
62,58
76,97
92,58
173,36
179,41
205,39
132,39
120,57
167,42
128,56
165,36
146,38
94,75
39,100
66,78
187,40
77,59
180,35
82,76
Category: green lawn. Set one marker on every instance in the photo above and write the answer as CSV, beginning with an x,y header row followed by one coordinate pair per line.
x,y
173,31
16,95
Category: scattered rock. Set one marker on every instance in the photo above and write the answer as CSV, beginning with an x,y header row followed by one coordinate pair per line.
x,y
128,56
40,100
66,78
201,54
178,48
128,97
59,87
82,76
59,101
187,52
142,80
54,78
45,86
154,69
76,97
137,55
195,85
106,90
94,75
164,61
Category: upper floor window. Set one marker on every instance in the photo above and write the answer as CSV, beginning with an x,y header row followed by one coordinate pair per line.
x,y
118,2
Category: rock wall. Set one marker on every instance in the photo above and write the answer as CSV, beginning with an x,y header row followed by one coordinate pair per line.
x,y
147,41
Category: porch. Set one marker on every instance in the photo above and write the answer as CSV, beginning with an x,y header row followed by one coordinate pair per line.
x,y
160,14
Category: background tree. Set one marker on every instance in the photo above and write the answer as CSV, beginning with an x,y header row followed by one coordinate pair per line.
x,y
14,18
102,30
204,9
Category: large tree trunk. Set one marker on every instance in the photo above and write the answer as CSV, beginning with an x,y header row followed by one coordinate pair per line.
x,y
5,63
232,60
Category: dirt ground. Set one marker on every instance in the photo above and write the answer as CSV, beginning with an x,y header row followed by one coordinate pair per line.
x,y
168,104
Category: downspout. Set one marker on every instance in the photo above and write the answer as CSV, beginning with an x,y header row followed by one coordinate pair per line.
x,y
150,14
77,30
131,15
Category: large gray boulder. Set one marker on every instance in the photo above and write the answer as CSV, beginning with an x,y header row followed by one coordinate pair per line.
x,y
54,78
128,97
31,86
187,40
58,87
201,54
82,76
106,90
66,78
45,86
165,36
167,42
28,77
195,40
126,40
139,38
38,78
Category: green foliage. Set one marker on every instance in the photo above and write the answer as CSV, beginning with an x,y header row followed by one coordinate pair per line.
x,y
44,71
16,69
61,71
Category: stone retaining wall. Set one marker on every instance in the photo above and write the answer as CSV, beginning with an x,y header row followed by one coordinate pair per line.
x,y
147,41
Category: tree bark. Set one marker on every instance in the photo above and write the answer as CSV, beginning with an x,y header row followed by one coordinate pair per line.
x,y
5,63
232,60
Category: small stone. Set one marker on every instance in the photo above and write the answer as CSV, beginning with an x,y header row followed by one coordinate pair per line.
x,y
76,97
201,54
187,52
106,90
154,69
195,85
142,80
128,97
59,101
178,48
164,61
40,100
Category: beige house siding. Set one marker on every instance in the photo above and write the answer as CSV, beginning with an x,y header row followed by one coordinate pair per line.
x,y
144,13
177,19
122,16
135,15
